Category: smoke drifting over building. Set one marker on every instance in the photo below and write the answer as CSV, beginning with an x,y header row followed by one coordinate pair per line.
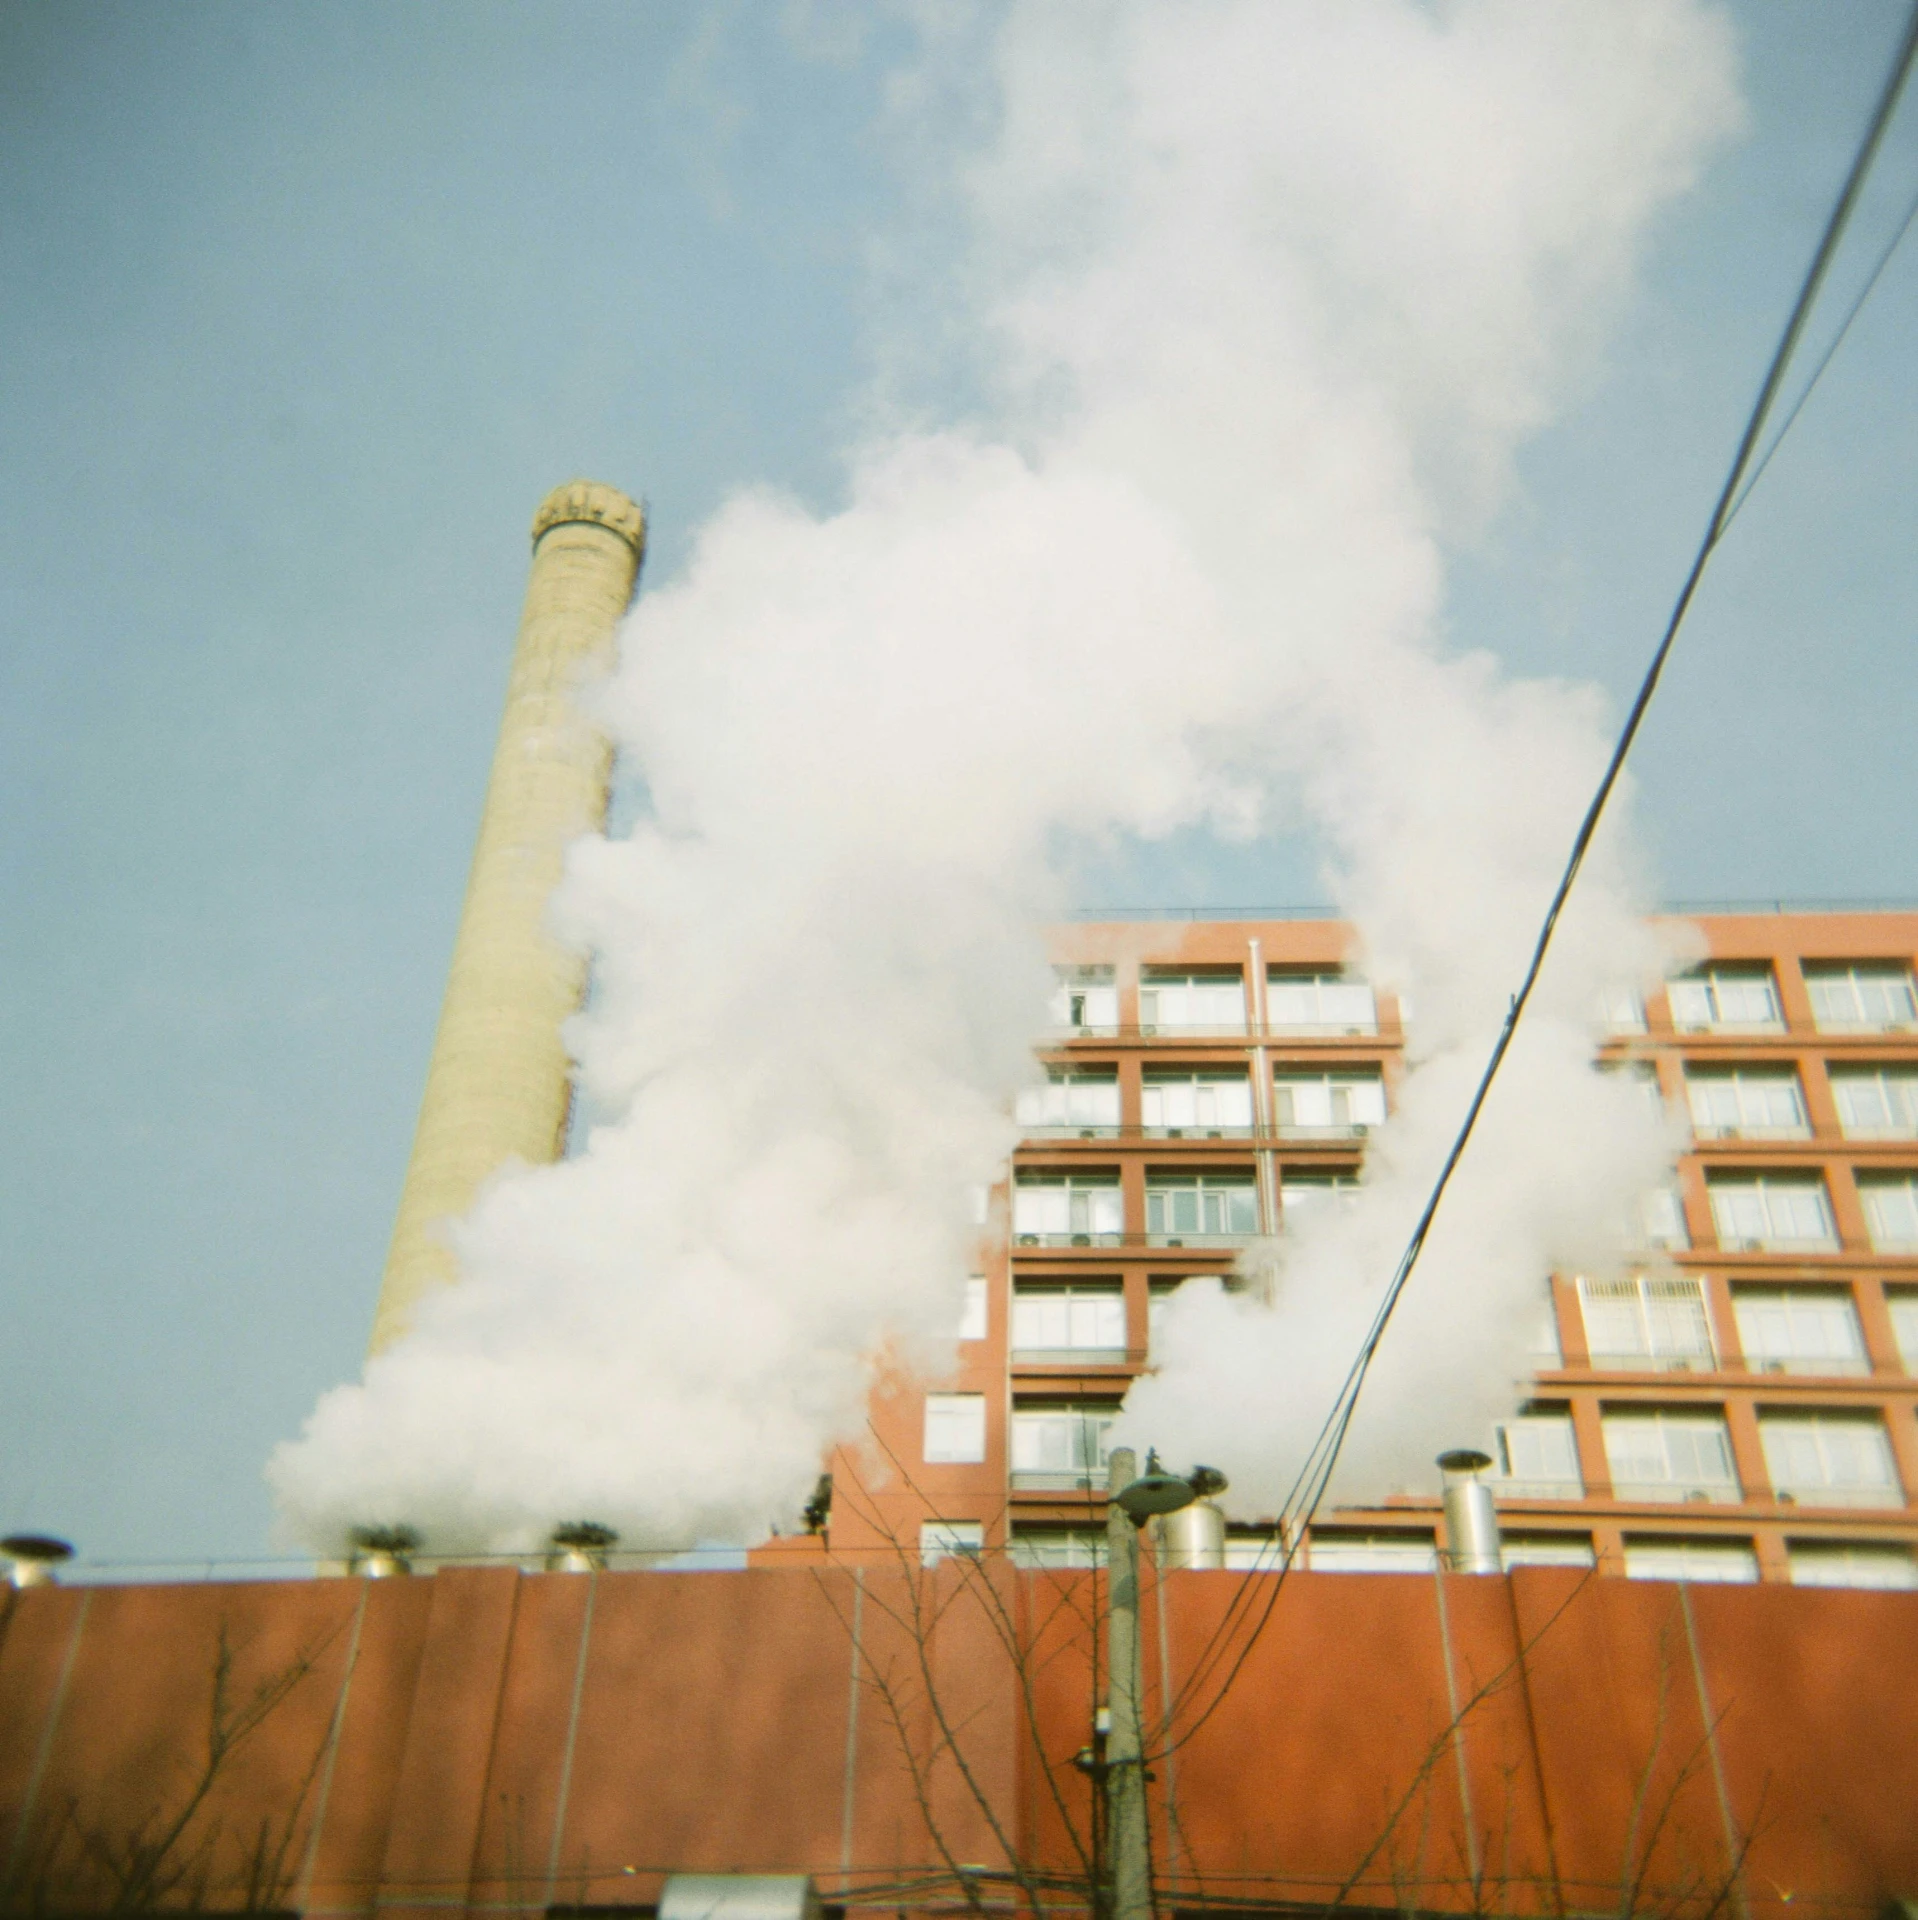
x,y
1273,296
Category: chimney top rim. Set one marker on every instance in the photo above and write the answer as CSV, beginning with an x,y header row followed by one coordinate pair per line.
x,y
592,503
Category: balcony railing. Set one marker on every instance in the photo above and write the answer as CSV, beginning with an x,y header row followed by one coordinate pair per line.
x,y
1703,1361
1827,1366
1538,1489
1194,1239
1826,1496
1354,1136
1779,1243
1318,1035
1068,1357
1716,1492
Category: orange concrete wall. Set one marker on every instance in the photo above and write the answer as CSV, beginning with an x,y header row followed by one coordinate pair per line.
x,y
483,1739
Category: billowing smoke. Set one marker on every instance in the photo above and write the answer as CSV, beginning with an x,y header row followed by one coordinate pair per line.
x,y
1270,296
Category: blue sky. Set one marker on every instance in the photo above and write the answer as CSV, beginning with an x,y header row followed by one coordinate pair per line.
x,y
302,310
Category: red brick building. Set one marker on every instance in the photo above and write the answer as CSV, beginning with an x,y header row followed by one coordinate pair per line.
x,y
1746,1409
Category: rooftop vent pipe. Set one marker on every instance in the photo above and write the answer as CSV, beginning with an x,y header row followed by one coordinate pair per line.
x,y
382,1553
739,1896
1471,1517
32,1557
1194,1537
580,1546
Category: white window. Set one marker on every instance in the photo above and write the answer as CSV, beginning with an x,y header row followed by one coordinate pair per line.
x,y
1799,1330
1067,1210
942,1539
1891,1211
1071,1101
1622,1010
1548,1354
1843,1563
1319,1003
1254,1552
1371,1552
1830,1459
1158,1294
1732,1562
1208,1104
1764,1213
1861,999
1670,1455
1903,1303
1538,1458
1645,1322
1749,1103
1547,1550
1082,1321
1086,1000
955,1428
1304,1194
1642,1077
1192,1003
1722,997
972,1315
1041,1547
1876,1103
1061,1448
1191,1209
1339,1104
1661,1220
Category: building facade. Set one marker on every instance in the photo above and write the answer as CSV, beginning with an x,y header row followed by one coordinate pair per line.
x,y
1743,1408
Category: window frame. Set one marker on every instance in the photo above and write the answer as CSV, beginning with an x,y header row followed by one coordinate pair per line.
x,y
1673,1488
1191,980
949,1405
1107,1293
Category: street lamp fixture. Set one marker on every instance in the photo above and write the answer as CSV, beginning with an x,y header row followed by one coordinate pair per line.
x,y
1156,1491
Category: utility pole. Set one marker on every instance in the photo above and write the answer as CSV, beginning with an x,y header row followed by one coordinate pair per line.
x,y
1126,1839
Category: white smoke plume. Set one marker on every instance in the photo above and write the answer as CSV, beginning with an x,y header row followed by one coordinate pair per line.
x,y
1271,295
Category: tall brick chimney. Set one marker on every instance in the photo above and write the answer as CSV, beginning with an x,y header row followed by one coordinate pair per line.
x,y
499,1085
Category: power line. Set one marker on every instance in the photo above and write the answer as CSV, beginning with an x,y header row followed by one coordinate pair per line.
x,y
1314,1478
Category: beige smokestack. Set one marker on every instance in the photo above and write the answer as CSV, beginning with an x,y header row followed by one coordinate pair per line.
x,y
499,1084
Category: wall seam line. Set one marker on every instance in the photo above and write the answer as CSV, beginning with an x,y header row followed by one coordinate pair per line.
x,y
847,1798
572,1737
304,1895
1458,1733
1734,1860
43,1754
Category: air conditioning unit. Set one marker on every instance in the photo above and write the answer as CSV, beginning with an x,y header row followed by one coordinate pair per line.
x,y
1774,1366
1175,1243
1028,1239
1175,1133
1697,1493
1786,1499
1082,1239
1217,1133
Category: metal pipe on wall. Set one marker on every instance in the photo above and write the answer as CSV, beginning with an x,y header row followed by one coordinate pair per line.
x,y
1471,1514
